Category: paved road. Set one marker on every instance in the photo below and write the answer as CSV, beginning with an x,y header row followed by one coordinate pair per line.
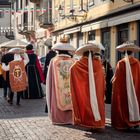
x,y
30,122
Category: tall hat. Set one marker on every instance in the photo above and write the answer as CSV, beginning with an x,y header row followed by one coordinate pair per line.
x,y
63,44
90,46
128,46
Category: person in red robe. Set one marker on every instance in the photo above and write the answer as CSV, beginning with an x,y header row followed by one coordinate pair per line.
x,y
88,88
125,107
58,95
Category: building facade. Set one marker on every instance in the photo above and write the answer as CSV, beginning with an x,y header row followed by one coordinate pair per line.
x,y
29,19
5,25
110,22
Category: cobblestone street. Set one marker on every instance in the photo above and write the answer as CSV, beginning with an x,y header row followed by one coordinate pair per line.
x,y
29,121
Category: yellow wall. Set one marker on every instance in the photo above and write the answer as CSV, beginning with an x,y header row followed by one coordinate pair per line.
x,y
94,12
113,46
133,31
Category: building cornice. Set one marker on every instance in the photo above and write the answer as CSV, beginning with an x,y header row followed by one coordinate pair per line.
x,y
113,13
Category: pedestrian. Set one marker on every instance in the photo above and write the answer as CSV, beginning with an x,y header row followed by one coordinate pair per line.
x,y
125,105
4,83
1,78
35,76
58,93
51,53
108,76
14,70
88,88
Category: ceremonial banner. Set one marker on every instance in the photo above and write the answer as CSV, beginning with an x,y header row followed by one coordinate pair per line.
x,y
62,82
17,76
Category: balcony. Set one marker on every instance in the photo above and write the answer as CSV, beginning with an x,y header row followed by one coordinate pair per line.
x,y
45,21
25,29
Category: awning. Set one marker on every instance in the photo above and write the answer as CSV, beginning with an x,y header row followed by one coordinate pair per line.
x,y
124,18
40,33
95,25
72,30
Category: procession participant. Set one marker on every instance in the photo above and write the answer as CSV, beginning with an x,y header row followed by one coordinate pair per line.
x,y
14,62
35,76
58,93
51,53
125,105
4,83
88,88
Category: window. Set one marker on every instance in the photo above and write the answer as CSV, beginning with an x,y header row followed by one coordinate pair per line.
x,y
17,2
83,5
79,39
91,35
122,37
1,13
91,3
21,4
71,39
26,2
106,42
71,4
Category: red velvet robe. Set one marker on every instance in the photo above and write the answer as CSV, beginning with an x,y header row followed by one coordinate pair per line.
x,y
82,112
119,108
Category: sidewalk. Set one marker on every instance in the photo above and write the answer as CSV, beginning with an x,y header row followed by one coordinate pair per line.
x,y
30,122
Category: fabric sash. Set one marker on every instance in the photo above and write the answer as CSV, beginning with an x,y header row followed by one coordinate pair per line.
x,y
93,97
131,93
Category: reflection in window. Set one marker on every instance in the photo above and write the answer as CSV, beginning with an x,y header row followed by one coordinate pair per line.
x,y
91,35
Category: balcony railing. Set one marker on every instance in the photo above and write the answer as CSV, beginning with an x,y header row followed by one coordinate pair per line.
x,y
25,28
10,35
45,20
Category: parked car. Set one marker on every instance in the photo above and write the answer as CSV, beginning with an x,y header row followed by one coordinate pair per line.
x,y
42,61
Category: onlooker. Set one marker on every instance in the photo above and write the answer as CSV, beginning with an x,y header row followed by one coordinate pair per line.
x,y
88,88
108,77
125,105
49,56
35,76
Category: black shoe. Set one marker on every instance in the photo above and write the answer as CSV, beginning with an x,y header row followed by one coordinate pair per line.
x,y
137,126
10,102
18,104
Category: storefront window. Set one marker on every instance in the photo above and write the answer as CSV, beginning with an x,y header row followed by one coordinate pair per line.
x,y
71,39
91,35
79,39
105,37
